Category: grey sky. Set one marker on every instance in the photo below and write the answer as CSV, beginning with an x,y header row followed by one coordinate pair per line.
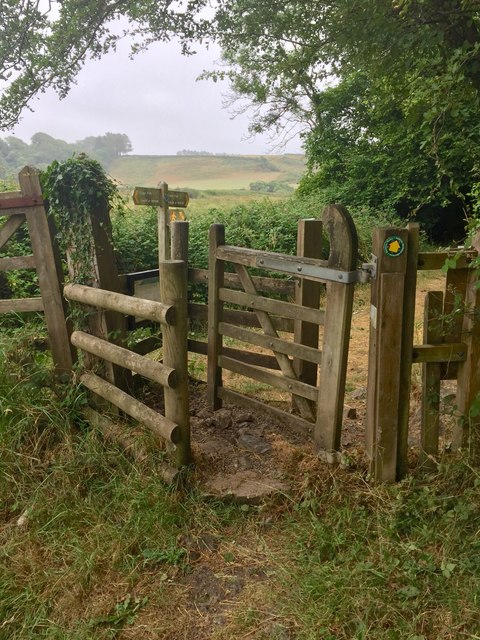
x,y
155,99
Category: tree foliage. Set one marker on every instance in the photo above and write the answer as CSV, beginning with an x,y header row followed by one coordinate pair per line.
x,y
44,149
385,92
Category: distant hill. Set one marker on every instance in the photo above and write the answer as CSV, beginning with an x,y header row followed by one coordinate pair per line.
x,y
207,172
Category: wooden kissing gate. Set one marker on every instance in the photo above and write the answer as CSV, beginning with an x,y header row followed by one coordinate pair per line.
x,y
282,318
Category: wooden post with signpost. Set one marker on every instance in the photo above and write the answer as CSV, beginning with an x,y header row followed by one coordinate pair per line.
x,y
387,317
162,198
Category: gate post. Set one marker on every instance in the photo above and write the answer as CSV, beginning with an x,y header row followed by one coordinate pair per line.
x,y
390,251
216,271
468,386
173,291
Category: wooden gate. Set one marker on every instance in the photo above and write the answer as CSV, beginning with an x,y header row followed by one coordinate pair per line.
x,y
26,207
292,365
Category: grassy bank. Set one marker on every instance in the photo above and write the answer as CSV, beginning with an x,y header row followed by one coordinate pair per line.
x,y
94,546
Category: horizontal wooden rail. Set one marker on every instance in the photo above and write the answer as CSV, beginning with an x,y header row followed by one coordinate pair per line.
x,y
276,380
148,309
299,424
17,262
252,257
456,352
158,424
250,357
246,318
432,260
124,358
285,309
269,342
265,285
20,305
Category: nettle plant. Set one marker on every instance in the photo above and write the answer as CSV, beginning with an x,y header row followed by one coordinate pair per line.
x,y
75,189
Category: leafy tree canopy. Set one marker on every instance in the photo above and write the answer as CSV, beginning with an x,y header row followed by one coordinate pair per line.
x,y
386,92
15,153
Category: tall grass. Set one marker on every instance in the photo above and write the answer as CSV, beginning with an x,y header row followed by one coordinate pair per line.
x,y
94,546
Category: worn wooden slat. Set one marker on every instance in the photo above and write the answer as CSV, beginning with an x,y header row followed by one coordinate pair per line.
x,y
266,323
17,262
150,369
252,257
21,305
336,335
155,422
275,379
7,195
215,315
198,311
405,364
454,352
309,245
262,284
155,311
277,307
431,377
299,424
11,225
49,271
308,354
436,260
20,202
260,359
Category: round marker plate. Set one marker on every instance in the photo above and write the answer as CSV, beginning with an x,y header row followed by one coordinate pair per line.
x,y
393,246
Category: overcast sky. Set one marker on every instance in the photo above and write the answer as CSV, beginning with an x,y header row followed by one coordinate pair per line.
x,y
155,99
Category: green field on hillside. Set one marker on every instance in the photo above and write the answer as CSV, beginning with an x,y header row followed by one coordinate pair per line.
x,y
207,172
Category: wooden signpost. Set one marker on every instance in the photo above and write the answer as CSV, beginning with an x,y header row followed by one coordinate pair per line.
x,y
162,198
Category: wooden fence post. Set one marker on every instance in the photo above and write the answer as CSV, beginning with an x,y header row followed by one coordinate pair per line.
x,y
468,386
390,250
336,335
309,245
108,325
179,241
49,271
408,329
173,291
215,315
